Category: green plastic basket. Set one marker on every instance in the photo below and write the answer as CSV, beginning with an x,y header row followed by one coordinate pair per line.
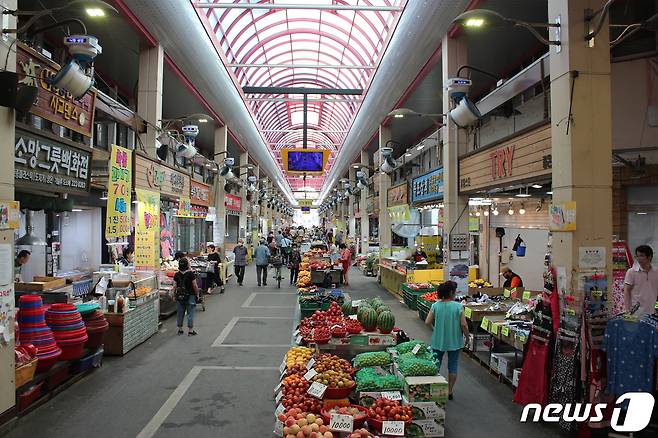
x,y
423,308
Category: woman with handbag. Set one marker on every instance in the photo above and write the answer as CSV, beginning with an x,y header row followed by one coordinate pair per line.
x,y
187,294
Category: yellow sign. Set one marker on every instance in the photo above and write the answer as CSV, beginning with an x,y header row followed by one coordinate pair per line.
x,y
119,189
485,323
467,312
505,330
305,202
526,295
10,215
507,293
184,207
494,328
562,216
147,229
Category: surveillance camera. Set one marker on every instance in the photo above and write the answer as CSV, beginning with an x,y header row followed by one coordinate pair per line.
x,y
77,76
186,150
229,161
458,87
386,151
252,179
190,131
388,165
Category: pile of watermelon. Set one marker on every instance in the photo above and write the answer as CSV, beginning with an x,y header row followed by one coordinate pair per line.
x,y
375,315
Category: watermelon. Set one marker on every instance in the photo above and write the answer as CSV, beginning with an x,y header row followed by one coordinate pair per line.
x,y
368,319
385,322
382,308
347,308
376,302
362,309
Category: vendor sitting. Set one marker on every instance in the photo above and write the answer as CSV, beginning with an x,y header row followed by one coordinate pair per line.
x,y
512,279
128,256
419,255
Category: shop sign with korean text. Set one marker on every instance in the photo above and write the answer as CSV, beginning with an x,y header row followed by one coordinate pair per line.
x,y
200,193
428,187
233,202
397,195
147,230
119,193
50,165
305,202
525,157
54,104
151,175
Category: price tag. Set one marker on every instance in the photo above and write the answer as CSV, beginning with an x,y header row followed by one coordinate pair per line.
x,y
526,295
278,428
656,306
295,333
485,323
282,367
505,330
430,428
310,374
597,293
278,397
279,410
356,303
341,423
317,390
298,340
310,363
513,293
392,395
395,428
277,387
507,293
521,338
416,349
467,312
494,328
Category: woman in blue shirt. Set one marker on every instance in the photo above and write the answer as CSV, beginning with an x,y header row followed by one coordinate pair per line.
x,y
450,328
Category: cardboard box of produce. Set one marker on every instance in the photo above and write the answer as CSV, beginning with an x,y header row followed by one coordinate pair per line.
x,y
426,428
426,388
506,364
426,410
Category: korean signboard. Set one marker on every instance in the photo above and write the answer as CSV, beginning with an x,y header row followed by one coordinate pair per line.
x,y
119,192
54,104
233,202
42,162
147,229
397,195
199,193
151,175
525,157
305,202
428,187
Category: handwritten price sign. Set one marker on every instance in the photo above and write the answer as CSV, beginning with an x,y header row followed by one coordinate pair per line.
x,y
395,428
310,374
317,390
392,395
341,423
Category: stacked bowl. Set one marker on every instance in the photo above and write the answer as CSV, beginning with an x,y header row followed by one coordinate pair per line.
x,y
33,330
69,330
96,325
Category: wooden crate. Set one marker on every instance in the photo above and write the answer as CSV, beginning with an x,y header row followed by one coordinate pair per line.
x,y
41,284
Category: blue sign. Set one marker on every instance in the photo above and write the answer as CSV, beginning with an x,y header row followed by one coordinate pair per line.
x,y
428,187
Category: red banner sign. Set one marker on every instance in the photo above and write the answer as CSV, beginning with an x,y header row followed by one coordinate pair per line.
x,y
233,202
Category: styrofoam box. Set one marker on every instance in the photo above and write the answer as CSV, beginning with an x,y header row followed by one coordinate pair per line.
x,y
515,377
506,364
481,339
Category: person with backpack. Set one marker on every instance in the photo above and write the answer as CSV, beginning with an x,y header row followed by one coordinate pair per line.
x,y
293,264
187,294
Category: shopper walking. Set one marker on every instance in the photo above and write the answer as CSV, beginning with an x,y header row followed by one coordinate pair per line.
x,y
449,330
262,259
293,264
187,294
215,258
286,247
641,283
346,260
240,262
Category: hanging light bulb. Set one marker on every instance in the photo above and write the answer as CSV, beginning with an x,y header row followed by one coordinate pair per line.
x,y
485,212
477,213
511,209
522,210
495,210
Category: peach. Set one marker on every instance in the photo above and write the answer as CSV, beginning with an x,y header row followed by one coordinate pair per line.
x,y
307,430
319,421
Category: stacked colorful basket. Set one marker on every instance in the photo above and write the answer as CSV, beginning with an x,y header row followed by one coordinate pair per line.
x,y
69,330
33,330
96,325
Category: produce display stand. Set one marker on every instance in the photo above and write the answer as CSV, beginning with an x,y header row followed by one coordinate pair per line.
x,y
167,288
410,295
392,279
140,322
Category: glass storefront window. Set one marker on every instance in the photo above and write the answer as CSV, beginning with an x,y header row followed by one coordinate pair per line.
x,y
191,234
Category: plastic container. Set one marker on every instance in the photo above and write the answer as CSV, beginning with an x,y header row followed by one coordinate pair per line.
x,y
339,392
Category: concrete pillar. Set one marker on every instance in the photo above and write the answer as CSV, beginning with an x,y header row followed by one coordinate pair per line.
x,y
244,209
221,141
149,94
582,170
351,220
453,54
365,219
7,140
384,184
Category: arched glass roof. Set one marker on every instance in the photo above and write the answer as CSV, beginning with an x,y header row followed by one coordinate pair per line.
x,y
303,43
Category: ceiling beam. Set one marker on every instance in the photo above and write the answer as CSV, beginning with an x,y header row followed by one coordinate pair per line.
x,y
321,7
330,66
292,99
299,129
301,90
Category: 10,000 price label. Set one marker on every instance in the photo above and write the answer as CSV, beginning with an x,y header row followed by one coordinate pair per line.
x,y
341,423
395,428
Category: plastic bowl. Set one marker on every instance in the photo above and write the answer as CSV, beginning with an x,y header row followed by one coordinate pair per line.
x,y
352,331
322,341
358,420
46,363
73,351
339,392
378,425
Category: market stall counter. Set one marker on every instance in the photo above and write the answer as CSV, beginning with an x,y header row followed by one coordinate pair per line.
x,y
394,273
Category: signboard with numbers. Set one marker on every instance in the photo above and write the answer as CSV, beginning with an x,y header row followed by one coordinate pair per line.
x,y
54,104
428,187
394,428
119,193
41,162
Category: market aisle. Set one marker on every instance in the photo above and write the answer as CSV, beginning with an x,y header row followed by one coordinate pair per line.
x,y
220,382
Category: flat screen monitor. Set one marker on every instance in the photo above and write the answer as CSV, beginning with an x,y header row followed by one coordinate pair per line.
x,y
306,208
305,161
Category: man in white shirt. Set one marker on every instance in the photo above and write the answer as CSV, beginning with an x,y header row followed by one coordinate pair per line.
x,y
641,283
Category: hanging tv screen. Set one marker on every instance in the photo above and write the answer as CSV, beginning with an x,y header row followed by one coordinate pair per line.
x,y
306,208
304,160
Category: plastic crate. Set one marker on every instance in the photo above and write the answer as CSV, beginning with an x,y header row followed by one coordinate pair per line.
x,y
81,288
93,360
307,309
423,308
